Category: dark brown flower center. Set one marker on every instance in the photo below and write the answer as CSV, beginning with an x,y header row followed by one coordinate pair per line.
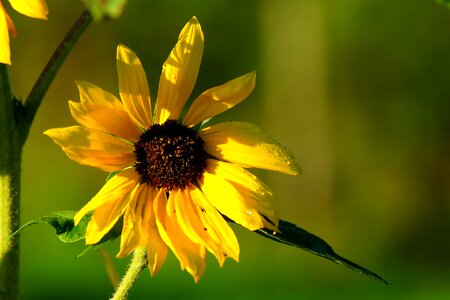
x,y
170,156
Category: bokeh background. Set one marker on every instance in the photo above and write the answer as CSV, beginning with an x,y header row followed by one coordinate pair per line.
x,y
358,90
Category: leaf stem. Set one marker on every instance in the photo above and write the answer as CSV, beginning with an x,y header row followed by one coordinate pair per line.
x,y
51,69
138,264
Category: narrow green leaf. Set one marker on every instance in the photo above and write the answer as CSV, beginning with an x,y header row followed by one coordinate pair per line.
x,y
295,236
62,222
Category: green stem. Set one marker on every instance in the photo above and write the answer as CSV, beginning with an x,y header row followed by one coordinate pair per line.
x,y
138,264
15,124
51,69
9,223
10,153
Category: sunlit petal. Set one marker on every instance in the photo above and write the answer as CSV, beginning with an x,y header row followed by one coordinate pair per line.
x,y
189,220
31,8
9,22
244,144
218,237
117,188
93,148
218,99
104,218
255,192
131,237
191,255
180,72
133,87
156,248
5,54
101,110
227,199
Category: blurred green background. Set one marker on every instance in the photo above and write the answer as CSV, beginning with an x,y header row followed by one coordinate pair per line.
x,y
357,90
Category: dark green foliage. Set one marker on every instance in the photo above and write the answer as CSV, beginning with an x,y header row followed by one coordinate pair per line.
x,y
295,236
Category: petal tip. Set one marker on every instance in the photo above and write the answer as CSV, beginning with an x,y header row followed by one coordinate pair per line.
x,y
50,132
194,20
196,277
124,53
6,60
84,85
295,169
122,47
193,25
121,50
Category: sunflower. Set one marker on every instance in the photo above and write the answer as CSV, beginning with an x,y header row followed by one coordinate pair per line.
x,y
31,8
175,179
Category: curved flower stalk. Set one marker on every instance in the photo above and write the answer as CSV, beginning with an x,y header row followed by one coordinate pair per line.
x,y
173,183
31,8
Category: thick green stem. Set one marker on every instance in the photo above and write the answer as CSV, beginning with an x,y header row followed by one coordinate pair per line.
x,y
10,153
51,69
138,264
15,124
9,222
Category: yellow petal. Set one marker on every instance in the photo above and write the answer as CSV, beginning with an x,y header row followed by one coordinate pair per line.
x,y
227,199
131,237
220,239
187,217
5,54
31,8
218,99
255,192
101,110
93,148
180,72
191,255
244,144
189,220
104,219
117,188
133,87
156,248
9,22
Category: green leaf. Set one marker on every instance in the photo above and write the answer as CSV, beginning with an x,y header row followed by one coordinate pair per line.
x,y
295,236
62,222
105,9
67,232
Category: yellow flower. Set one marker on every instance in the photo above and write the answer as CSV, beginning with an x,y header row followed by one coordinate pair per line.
x,y
31,8
175,183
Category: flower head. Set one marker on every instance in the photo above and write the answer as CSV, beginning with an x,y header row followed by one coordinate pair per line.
x,y
175,183
31,8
